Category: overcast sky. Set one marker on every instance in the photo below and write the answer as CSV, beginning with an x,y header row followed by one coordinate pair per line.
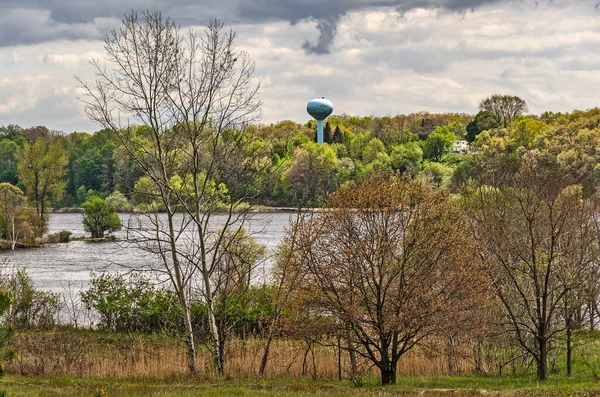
x,y
369,57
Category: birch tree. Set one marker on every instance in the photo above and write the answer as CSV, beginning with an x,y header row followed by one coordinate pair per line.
x,y
194,96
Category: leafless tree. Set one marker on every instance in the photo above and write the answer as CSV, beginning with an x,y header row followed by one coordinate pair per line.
x,y
391,260
538,238
504,108
193,98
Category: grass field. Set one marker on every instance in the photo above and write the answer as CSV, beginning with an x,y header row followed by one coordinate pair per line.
x,y
409,386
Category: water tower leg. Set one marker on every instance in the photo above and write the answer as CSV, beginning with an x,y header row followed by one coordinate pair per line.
x,y
320,132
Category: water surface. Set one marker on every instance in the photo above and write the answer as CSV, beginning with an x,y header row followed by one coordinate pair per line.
x,y
53,266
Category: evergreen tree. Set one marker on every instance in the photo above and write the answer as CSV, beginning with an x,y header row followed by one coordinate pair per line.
x,y
327,134
337,135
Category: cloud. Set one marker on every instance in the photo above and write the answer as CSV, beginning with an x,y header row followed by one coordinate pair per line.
x,y
384,60
47,20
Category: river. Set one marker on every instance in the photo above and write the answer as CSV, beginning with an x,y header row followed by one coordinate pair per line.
x,y
54,266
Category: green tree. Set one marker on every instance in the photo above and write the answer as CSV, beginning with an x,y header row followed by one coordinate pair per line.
x,y
100,217
372,149
119,201
337,135
41,170
8,162
482,122
438,143
407,158
327,136
15,214
311,172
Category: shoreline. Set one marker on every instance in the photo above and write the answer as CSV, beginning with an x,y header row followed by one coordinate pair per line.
x,y
258,209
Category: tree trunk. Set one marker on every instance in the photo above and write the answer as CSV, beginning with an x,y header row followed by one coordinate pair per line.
x,y
220,358
267,349
479,357
265,356
388,374
339,354
569,349
353,366
189,338
181,292
212,322
542,362
450,355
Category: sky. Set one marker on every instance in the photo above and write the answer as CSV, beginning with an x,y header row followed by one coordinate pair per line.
x,y
369,57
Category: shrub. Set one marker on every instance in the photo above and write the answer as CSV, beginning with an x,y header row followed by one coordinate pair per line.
x,y
99,217
29,307
130,303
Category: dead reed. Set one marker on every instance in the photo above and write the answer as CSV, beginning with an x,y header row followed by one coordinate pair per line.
x,y
89,354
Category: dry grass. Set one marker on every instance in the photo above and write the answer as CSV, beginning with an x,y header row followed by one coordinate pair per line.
x,y
89,354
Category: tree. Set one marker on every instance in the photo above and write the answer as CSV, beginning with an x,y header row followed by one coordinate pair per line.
x,y
327,137
8,162
538,236
119,201
311,172
407,158
15,214
438,143
503,108
483,121
41,169
390,260
194,98
100,217
337,135
10,131
371,150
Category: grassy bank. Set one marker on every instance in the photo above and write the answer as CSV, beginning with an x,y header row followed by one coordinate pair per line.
x,y
466,385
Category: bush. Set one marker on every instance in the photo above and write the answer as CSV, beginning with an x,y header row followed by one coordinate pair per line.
x,y
130,303
99,217
60,237
29,307
6,334
64,235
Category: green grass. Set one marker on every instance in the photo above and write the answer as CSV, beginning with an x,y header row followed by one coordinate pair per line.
x,y
407,386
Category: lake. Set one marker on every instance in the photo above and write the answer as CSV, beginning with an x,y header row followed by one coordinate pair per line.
x,y
54,266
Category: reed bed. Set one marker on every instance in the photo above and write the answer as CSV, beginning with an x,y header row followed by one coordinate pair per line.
x,y
88,354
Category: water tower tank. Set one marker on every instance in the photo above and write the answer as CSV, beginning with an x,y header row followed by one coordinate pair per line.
x,y
319,108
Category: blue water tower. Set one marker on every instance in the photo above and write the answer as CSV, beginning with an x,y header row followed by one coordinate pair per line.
x,y
319,108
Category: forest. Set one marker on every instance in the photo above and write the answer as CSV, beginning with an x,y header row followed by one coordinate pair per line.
x,y
427,255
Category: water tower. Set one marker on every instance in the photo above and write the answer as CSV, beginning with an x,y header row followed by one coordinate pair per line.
x,y
319,108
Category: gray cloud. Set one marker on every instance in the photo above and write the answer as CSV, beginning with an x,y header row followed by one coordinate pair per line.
x,y
47,20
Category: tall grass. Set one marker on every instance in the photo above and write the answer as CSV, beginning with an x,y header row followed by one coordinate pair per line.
x,y
93,354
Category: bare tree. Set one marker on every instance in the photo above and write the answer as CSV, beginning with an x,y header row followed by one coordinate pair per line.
x,y
504,108
538,237
193,98
390,259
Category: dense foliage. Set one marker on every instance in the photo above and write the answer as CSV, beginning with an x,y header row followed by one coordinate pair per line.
x,y
100,217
